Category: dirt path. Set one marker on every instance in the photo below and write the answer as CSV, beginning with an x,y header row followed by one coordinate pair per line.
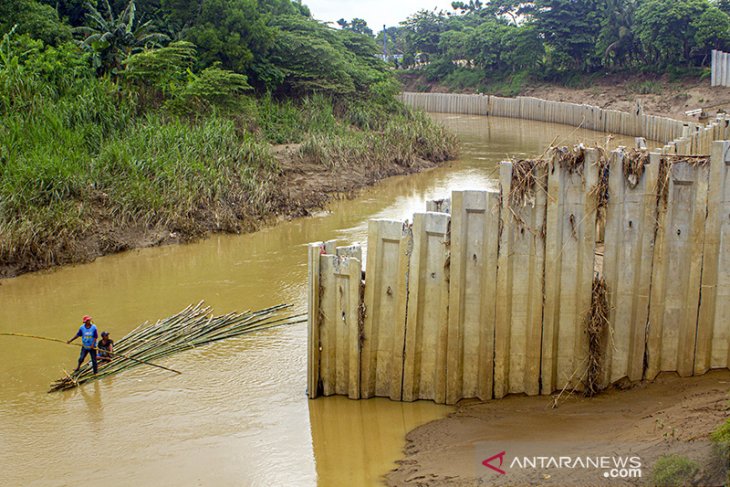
x,y
670,415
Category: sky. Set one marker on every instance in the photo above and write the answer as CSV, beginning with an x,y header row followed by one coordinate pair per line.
x,y
375,12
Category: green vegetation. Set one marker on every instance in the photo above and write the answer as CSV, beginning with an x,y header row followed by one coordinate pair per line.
x,y
402,140
674,471
119,116
721,439
645,88
481,43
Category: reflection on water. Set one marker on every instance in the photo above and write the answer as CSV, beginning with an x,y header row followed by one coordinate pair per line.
x,y
238,415
354,440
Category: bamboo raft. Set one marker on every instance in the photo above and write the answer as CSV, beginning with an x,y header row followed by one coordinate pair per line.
x,y
190,328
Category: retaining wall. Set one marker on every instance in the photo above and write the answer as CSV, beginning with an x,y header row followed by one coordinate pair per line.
x,y
491,294
720,68
684,138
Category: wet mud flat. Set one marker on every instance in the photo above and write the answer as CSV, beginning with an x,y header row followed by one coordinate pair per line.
x,y
671,415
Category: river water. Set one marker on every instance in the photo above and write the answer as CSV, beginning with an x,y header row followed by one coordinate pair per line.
x,y
238,415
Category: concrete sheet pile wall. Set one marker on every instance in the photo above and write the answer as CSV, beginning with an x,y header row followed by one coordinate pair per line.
x,y
627,265
439,206
520,283
448,103
570,245
390,243
713,333
688,137
472,289
426,327
491,295
677,270
335,326
720,68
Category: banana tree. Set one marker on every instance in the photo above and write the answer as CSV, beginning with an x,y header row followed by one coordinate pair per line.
x,y
112,38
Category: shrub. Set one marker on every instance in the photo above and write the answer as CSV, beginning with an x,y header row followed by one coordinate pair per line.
x,y
463,78
33,18
438,69
508,85
164,69
212,87
674,470
32,73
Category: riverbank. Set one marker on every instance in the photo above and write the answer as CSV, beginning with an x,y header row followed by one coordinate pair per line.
x,y
672,415
658,95
276,181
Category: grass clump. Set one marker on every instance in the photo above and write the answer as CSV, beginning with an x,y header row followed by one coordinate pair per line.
x,y
172,169
721,439
333,151
158,171
674,471
289,121
402,140
645,88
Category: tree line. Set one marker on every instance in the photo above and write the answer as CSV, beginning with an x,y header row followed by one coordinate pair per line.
x,y
274,46
552,38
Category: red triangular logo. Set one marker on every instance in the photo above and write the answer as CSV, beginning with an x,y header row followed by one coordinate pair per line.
x,y
488,462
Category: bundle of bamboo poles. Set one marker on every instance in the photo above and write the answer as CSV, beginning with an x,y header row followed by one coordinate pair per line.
x,y
190,328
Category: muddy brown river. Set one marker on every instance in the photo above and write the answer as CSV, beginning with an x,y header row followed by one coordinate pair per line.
x,y
238,414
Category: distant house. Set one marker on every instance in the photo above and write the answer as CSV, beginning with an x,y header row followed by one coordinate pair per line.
x,y
389,58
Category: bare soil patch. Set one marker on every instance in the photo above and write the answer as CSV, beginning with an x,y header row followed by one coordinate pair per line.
x,y
305,186
670,99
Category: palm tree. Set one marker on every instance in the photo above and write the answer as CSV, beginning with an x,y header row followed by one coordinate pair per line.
x,y
617,36
114,38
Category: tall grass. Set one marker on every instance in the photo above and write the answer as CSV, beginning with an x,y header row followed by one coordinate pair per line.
x,y
721,441
674,470
404,138
82,157
73,162
172,169
290,121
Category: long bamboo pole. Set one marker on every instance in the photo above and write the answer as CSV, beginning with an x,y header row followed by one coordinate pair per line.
x,y
23,335
190,328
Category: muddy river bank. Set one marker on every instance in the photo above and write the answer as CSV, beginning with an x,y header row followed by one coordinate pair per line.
x,y
671,416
